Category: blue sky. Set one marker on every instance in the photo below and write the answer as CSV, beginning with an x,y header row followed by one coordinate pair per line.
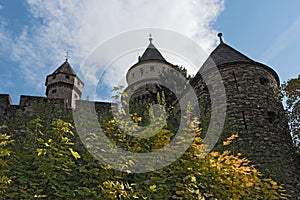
x,y
35,34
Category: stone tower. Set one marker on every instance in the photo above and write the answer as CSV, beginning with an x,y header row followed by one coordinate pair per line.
x,y
142,76
63,83
254,112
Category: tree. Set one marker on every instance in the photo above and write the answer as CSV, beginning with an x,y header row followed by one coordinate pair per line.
x,y
4,154
50,162
291,94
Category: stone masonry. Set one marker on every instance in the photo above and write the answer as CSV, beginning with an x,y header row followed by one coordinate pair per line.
x,y
252,107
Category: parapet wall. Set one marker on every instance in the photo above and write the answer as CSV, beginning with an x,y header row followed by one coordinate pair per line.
x,y
33,104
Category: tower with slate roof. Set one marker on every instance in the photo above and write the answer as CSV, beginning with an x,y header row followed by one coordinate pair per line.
x,y
63,83
254,111
141,77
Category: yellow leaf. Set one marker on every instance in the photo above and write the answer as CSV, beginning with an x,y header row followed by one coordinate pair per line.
x,y
230,139
214,154
193,179
74,153
152,187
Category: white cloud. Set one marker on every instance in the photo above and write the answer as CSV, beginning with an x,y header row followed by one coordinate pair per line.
x,y
78,26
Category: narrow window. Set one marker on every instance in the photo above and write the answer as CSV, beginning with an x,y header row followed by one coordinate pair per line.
x,y
141,71
263,81
236,84
53,91
132,75
54,77
271,116
151,68
244,119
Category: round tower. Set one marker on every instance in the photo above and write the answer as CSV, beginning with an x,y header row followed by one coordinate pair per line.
x,y
253,111
63,83
142,76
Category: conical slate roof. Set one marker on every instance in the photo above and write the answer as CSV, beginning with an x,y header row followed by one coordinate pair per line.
x,y
226,54
65,68
151,53
222,54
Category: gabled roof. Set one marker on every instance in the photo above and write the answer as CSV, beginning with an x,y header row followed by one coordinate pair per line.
x,y
65,68
151,53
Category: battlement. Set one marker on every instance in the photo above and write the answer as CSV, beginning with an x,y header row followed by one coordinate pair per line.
x,y
252,107
33,104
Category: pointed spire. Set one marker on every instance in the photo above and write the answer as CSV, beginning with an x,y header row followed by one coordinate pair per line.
x,y
65,67
222,54
221,39
151,53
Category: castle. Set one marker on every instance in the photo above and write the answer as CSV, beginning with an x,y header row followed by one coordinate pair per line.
x,y
252,107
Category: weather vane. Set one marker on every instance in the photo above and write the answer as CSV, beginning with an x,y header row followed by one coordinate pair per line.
x,y
67,55
150,38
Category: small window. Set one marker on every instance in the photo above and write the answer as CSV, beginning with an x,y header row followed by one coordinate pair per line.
x,y
271,116
151,68
132,75
53,91
141,71
68,76
263,81
54,77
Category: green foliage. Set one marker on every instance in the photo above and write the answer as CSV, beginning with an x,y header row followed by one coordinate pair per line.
x,y
291,93
4,154
50,162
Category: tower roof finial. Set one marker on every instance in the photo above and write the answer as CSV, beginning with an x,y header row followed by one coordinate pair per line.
x,y
67,55
220,36
150,38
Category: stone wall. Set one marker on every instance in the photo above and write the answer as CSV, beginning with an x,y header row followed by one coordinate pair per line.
x,y
256,114
30,105
5,106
